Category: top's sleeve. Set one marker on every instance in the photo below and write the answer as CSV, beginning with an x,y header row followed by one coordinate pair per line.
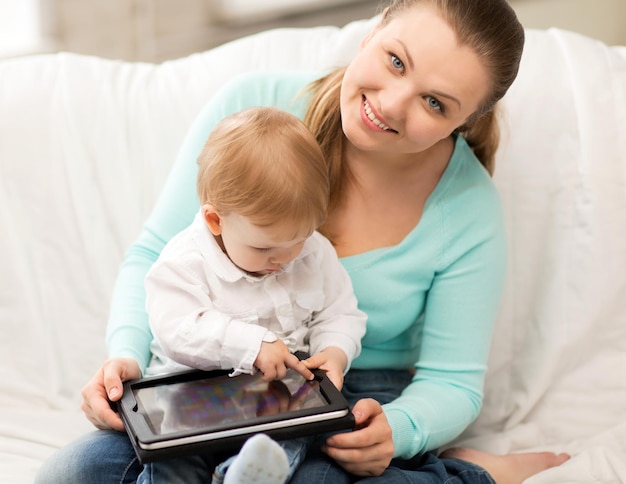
x,y
462,304
128,333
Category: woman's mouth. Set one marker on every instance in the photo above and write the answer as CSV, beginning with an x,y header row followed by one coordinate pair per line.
x,y
372,117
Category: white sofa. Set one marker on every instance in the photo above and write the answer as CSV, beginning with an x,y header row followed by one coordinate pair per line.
x,y
86,143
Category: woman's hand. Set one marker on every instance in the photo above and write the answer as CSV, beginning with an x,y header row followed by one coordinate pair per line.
x,y
107,382
368,450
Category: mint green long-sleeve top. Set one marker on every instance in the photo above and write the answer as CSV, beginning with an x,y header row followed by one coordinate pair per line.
x,y
431,300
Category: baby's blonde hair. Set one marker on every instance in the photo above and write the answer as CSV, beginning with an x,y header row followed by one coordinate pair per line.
x,y
264,164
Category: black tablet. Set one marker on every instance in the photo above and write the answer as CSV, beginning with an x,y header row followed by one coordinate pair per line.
x,y
198,411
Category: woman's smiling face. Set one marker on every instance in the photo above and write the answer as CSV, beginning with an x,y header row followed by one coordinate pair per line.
x,y
411,85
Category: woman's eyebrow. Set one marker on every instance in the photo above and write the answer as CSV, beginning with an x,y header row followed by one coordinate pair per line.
x,y
407,56
447,96
409,60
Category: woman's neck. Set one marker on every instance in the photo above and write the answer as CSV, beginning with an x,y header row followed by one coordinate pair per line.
x,y
384,197
379,169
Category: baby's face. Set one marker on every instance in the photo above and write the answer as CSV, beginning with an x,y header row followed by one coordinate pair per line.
x,y
259,250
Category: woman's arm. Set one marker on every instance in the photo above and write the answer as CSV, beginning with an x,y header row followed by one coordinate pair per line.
x,y
446,392
339,323
128,335
455,263
460,311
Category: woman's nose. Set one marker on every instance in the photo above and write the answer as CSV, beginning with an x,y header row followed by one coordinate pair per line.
x,y
394,104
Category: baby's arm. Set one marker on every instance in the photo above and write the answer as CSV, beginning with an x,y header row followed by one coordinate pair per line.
x,y
336,330
187,326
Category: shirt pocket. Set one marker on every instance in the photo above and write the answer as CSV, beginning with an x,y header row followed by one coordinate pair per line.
x,y
307,304
250,316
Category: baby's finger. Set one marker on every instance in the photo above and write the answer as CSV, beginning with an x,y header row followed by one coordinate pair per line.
x,y
268,372
294,363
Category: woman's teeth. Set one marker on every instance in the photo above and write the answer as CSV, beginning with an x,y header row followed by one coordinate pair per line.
x,y
373,118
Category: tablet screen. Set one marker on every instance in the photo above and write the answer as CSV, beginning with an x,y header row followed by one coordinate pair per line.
x,y
211,402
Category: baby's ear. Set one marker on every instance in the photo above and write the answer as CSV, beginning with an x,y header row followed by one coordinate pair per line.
x,y
212,218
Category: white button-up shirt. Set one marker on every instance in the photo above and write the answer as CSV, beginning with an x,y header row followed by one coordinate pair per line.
x,y
207,313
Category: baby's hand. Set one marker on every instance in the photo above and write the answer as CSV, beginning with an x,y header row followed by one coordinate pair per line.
x,y
333,361
274,359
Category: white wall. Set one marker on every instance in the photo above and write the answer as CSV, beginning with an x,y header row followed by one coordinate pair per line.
x,y
19,27
601,19
157,30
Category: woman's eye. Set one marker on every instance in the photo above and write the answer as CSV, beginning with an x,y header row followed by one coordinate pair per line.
x,y
434,103
396,63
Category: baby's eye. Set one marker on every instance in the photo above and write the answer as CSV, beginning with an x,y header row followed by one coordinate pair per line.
x,y
262,249
396,62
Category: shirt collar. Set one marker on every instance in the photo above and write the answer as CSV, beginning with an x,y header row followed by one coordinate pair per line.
x,y
223,266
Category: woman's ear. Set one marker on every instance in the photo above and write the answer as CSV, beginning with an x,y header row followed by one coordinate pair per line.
x,y
212,219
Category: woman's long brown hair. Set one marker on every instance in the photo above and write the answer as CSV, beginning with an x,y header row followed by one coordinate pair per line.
x,y
489,27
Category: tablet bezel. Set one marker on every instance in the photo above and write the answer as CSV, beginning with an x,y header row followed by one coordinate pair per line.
x,y
150,446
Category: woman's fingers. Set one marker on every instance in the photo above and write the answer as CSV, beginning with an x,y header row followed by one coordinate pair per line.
x,y
106,386
368,450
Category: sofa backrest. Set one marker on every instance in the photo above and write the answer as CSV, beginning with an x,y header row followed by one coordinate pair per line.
x,y
86,143
561,173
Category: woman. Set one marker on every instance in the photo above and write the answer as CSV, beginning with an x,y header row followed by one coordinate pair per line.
x,y
416,222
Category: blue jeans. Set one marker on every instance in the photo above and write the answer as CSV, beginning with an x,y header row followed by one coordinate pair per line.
x,y
202,468
422,469
103,456
108,456
385,386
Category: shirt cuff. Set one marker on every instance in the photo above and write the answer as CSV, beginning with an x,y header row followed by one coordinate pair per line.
x,y
403,432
